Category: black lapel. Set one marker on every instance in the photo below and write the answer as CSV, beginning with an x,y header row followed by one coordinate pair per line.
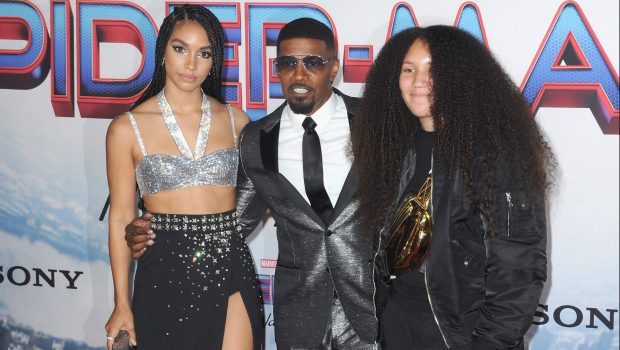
x,y
269,136
269,148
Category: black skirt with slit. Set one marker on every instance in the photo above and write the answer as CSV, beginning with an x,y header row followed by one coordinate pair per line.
x,y
183,282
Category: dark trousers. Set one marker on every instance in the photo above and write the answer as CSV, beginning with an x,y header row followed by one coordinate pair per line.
x,y
339,334
402,329
407,321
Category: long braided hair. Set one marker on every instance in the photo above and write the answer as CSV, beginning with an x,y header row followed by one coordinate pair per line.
x,y
212,86
477,110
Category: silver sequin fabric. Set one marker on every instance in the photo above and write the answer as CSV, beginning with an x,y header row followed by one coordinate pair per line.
x,y
160,172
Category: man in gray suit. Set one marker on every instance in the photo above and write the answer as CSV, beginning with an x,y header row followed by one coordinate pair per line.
x,y
294,163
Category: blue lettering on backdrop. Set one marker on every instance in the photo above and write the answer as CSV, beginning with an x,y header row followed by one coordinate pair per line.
x,y
570,70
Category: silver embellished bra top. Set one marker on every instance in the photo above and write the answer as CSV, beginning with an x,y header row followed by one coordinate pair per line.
x,y
160,172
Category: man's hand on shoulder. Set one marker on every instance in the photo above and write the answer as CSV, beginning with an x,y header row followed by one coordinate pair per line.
x,y
139,235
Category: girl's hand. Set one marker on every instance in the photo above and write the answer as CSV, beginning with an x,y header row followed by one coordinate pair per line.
x,y
121,318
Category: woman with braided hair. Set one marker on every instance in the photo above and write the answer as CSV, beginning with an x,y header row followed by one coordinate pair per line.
x,y
454,175
195,288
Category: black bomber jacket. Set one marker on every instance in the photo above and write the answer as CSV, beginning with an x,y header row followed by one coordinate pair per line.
x,y
483,288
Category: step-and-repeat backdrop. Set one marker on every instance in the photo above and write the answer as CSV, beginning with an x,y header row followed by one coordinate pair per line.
x,y
67,67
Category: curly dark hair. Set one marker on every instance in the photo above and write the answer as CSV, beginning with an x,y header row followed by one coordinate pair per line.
x,y
477,111
212,86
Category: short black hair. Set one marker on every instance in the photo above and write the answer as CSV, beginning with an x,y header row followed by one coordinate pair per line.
x,y
307,28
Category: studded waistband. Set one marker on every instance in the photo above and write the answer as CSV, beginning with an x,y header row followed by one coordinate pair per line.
x,y
195,223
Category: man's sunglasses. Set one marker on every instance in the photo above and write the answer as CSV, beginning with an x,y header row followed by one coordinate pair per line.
x,y
312,63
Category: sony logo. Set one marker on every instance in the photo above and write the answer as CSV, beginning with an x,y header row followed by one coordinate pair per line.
x,y
570,316
21,276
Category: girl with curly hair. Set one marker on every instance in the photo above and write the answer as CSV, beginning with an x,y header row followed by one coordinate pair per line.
x,y
454,174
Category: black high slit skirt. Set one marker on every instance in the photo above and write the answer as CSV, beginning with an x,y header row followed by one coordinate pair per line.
x,y
183,282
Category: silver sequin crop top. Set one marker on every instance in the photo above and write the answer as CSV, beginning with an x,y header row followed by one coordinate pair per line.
x,y
160,172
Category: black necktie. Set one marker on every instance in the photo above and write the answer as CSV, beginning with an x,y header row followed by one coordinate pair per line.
x,y
313,172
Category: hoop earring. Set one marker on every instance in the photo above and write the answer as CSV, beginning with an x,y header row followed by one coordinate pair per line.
x,y
163,62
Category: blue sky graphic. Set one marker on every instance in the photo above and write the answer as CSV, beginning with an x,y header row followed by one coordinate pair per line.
x,y
45,194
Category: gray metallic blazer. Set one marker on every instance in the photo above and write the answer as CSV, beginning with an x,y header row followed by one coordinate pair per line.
x,y
313,259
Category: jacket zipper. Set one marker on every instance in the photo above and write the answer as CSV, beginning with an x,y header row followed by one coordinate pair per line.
x,y
428,294
433,311
510,205
374,284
